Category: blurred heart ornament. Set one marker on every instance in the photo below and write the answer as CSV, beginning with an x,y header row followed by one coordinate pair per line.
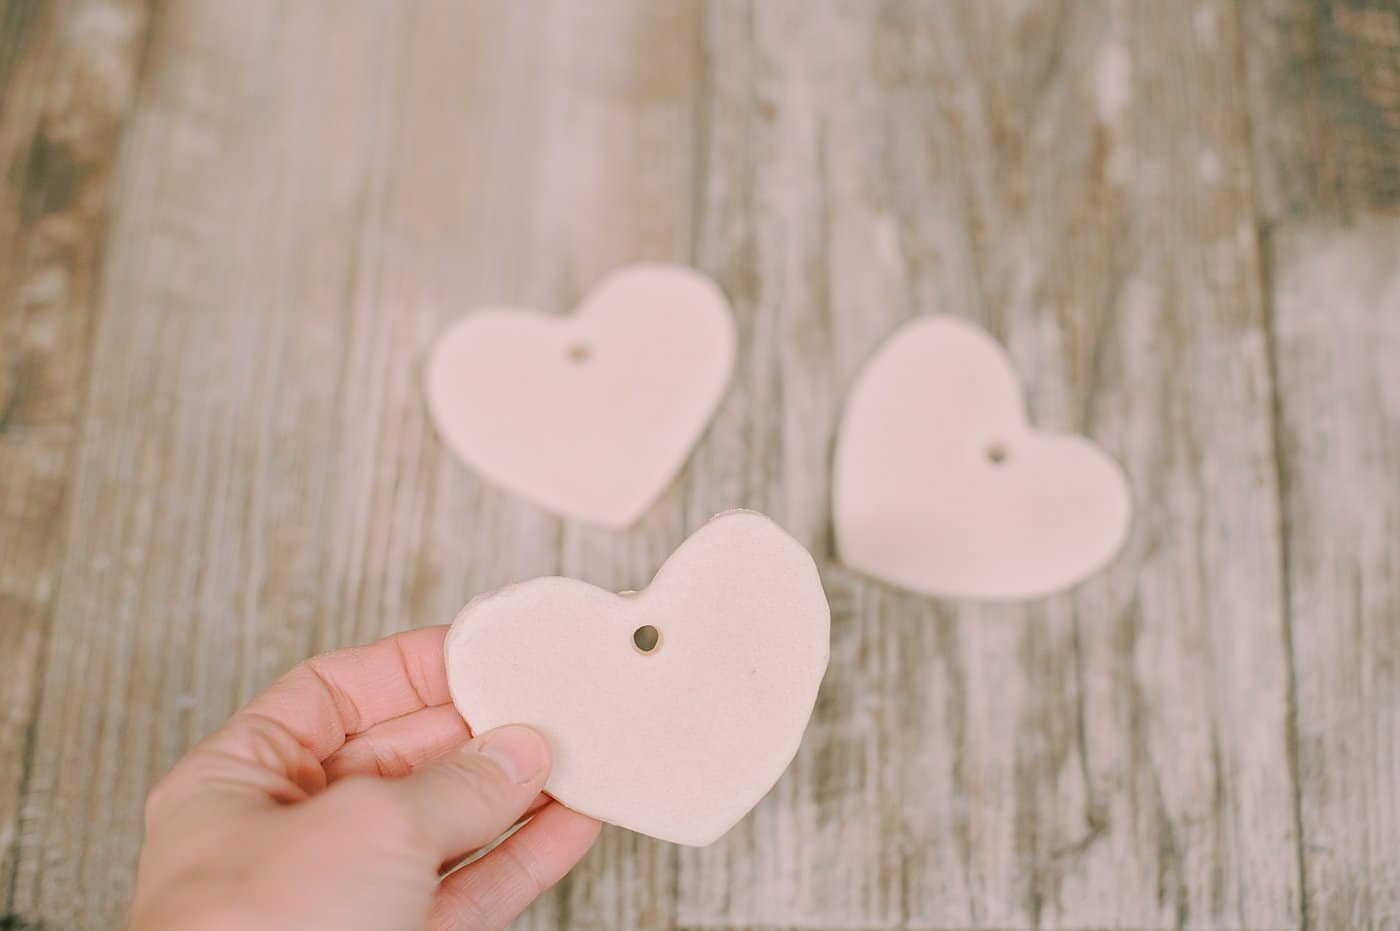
x,y
941,486
592,415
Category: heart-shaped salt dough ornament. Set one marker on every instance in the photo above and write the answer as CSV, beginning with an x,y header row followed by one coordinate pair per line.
x,y
593,414
671,711
940,486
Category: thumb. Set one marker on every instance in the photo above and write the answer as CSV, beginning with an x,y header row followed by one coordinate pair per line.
x,y
472,795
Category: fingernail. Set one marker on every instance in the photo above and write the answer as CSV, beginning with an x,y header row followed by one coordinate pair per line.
x,y
521,752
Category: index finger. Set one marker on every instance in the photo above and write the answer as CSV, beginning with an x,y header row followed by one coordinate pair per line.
x,y
327,698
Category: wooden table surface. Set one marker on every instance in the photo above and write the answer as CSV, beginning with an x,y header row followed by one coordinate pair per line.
x,y
230,230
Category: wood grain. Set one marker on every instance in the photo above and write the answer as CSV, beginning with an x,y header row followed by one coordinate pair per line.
x,y
241,472
1075,178
1324,82
258,480
68,75
1337,338
612,168
204,482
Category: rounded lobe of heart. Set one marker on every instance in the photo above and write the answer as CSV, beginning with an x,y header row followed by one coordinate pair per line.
x,y
941,487
590,415
678,743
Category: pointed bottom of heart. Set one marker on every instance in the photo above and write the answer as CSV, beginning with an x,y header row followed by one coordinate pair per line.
x,y
671,711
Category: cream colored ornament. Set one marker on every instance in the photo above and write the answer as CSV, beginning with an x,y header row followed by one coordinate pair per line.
x,y
940,485
589,415
671,711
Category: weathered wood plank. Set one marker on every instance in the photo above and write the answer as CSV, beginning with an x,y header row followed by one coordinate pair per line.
x,y
205,476
67,80
823,849
33,476
610,164
1337,339
258,478
1324,91
1076,178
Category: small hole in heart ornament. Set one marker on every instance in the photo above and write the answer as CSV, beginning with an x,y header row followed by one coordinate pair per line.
x,y
646,639
579,353
996,454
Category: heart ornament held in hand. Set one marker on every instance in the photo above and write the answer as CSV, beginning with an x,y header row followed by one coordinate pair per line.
x,y
590,415
940,486
671,711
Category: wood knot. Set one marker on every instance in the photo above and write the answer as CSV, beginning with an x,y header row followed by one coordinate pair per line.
x,y
51,178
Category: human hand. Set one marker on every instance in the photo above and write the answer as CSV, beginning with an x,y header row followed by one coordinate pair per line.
x,y
338,797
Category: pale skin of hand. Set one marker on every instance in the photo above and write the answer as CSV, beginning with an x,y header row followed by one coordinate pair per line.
x,y
337,799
